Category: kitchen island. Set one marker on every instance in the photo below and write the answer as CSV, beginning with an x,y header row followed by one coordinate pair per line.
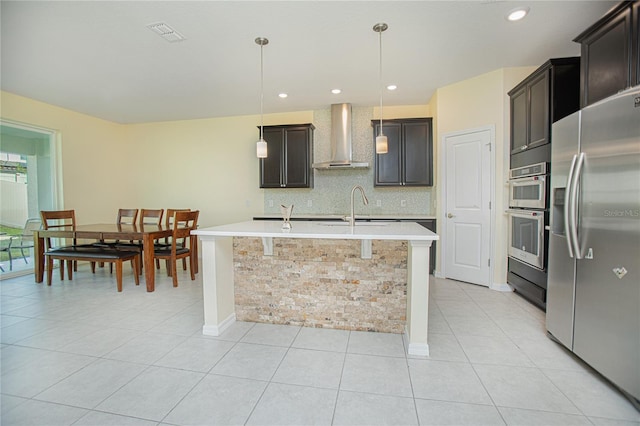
x,y
219,278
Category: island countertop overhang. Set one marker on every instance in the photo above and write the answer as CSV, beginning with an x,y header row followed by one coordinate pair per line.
x,y
404,231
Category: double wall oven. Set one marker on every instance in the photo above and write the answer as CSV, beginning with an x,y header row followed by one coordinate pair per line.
x,y
528,218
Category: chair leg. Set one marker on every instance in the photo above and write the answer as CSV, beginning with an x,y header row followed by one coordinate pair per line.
x,y
70,265
61,269
93,267
75,266
119,274
191,268
50,270
136,269
174,270
184,263
23,256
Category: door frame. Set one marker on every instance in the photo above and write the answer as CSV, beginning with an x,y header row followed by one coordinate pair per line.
x,y
443,204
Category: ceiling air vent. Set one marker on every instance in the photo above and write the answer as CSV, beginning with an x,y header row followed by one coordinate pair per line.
x,y
166,32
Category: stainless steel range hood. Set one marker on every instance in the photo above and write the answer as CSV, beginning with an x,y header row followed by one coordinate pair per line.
x,y
340,141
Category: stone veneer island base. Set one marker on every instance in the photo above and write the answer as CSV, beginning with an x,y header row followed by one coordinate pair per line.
x,y
371,277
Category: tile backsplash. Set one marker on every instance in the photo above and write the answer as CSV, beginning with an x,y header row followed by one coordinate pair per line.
x,y
332,188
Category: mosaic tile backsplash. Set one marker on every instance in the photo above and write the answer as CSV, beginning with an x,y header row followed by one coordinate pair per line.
x,y
332,188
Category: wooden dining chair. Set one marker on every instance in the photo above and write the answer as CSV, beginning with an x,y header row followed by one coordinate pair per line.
x,y
63,220
168,223
183,223
124,217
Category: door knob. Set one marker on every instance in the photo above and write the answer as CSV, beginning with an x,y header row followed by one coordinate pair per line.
x,y
449,215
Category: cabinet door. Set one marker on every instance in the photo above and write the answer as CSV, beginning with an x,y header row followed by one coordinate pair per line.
x,y
271,167
519,121
606,66
417,154
296,169
538,111
388,166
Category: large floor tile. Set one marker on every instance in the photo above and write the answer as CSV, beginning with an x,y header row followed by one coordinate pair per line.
x,y
520,417
250,361
38,413
146,348
294,405
218,400
152,394
234,333
271,334
446,381
9,402
383,344
58,336
196,354
376,374
445,347
101,342
498,350
479,325
322,339
98,418
93,384
180,324
24,329
521,387
365,409
545,353
31,378
593,395
311,368
456,414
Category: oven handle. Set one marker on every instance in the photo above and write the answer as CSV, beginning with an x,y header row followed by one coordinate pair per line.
x,y
573,205
568,211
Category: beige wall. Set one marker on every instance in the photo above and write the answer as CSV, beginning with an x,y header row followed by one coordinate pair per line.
x,y
479,102
210,164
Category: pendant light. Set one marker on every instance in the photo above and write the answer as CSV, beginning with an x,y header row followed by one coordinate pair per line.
x,y
261,145
382,147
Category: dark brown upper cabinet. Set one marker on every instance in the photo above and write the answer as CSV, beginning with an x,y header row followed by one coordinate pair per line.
x,y
289,157
610,54
409,161
548,94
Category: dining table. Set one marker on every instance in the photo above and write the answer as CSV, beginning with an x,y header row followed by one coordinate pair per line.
x,y
147,233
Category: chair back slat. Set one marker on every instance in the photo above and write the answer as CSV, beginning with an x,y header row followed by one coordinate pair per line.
x,y
151,216
63,220
127,216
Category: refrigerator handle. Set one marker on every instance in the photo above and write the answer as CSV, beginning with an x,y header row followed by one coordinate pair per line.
x,y
573,218
568,210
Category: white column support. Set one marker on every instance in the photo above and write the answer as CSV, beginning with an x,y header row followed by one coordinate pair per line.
x,y
418,298
218,284
267,243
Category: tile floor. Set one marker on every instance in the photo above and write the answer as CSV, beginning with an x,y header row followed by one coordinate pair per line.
x,y
80,353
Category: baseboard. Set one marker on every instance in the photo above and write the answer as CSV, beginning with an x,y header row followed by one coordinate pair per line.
x,y
501,287
438,274
217,330
415,349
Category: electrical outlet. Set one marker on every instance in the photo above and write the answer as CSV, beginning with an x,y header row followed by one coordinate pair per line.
x,y
403,203
270,203
378,203
309,203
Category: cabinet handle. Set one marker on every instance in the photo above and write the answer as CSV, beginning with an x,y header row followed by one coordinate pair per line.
x,y
522,148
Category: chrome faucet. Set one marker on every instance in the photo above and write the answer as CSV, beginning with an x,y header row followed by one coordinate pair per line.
x,y
352,218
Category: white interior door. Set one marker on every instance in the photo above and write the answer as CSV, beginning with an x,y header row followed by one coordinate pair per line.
x,y
467,200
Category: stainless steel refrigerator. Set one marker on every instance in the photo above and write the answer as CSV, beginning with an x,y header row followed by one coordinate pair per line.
x,y
593,294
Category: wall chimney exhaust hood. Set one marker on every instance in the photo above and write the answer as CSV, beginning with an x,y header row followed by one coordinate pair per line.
x,y
340,141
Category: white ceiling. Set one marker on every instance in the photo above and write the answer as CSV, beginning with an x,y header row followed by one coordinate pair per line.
x,y
98,57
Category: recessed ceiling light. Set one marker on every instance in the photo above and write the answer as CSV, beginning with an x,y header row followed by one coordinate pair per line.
x,y
283,95
166,32
517,14
392,87
336,91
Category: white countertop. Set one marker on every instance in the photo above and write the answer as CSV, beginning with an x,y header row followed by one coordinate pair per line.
x,y
390,217
323,230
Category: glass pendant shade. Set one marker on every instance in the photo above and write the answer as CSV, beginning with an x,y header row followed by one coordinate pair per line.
x,y
261,148
382,147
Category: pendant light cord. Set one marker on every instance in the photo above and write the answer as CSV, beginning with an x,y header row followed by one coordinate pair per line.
x,y
381,89
261,92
